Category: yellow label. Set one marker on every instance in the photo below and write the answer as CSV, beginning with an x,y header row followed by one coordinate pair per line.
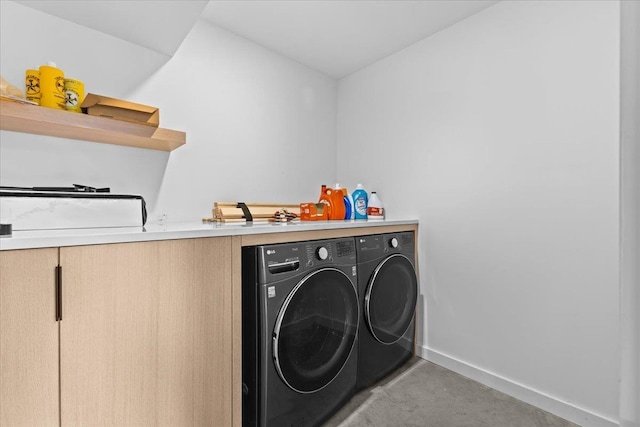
x,y
73,95
32,85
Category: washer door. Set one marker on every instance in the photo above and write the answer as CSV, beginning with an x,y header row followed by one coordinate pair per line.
x,y
315,330
391,297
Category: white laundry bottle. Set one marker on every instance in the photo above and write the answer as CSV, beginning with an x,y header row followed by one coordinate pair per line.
x,y
375,210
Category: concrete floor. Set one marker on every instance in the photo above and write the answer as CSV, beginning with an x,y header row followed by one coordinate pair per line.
x,y
432,396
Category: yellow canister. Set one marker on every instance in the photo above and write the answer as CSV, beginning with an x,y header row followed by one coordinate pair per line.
x,y
32,85
74,95
52,86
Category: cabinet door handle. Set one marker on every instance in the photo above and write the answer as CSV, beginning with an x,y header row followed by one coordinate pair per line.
x,y
58,293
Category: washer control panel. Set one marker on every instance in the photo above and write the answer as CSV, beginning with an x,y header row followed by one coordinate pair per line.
x,y
283,260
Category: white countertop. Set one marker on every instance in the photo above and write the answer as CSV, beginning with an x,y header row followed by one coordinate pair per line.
x,y
167,231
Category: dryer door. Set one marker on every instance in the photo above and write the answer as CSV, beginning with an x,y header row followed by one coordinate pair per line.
x,y
391,297
315,330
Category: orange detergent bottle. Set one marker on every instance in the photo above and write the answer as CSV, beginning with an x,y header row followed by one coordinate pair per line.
x,y
337,204
334,200
326,199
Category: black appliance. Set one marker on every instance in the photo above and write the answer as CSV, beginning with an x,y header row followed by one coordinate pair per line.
x,y
300,317
388,290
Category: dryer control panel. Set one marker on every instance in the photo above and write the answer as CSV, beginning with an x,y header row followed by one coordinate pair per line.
x,y
374,246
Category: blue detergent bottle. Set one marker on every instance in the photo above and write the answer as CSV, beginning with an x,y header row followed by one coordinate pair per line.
x,y
348,199
360,202
348,208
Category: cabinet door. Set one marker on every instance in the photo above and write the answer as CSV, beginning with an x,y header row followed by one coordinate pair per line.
x,y
28,338
146,334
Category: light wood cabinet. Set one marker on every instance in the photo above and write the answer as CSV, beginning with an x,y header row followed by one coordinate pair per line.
x,y
146,334
145,339
28,338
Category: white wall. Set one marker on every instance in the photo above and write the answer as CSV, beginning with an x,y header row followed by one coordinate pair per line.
x,y
630,216
259,127
501,135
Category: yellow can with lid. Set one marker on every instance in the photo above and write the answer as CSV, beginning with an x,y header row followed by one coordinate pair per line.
x,y
52,87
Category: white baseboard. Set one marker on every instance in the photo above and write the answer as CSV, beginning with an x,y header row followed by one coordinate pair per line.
x,y
521,392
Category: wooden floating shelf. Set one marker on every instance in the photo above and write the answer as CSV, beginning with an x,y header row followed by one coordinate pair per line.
x,y
18,117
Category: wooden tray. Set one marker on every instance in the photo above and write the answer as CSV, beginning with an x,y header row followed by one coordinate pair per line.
x,y
232,212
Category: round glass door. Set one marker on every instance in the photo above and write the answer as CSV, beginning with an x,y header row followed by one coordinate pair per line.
x,y
391,297
315,330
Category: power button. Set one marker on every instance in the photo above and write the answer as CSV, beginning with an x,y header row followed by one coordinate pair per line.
x,y
322,253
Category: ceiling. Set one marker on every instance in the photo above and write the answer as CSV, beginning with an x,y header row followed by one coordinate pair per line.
x,y
339,37
336,38
160,25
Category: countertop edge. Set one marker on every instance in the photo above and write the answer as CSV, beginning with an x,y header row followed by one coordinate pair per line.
x,y
36,239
